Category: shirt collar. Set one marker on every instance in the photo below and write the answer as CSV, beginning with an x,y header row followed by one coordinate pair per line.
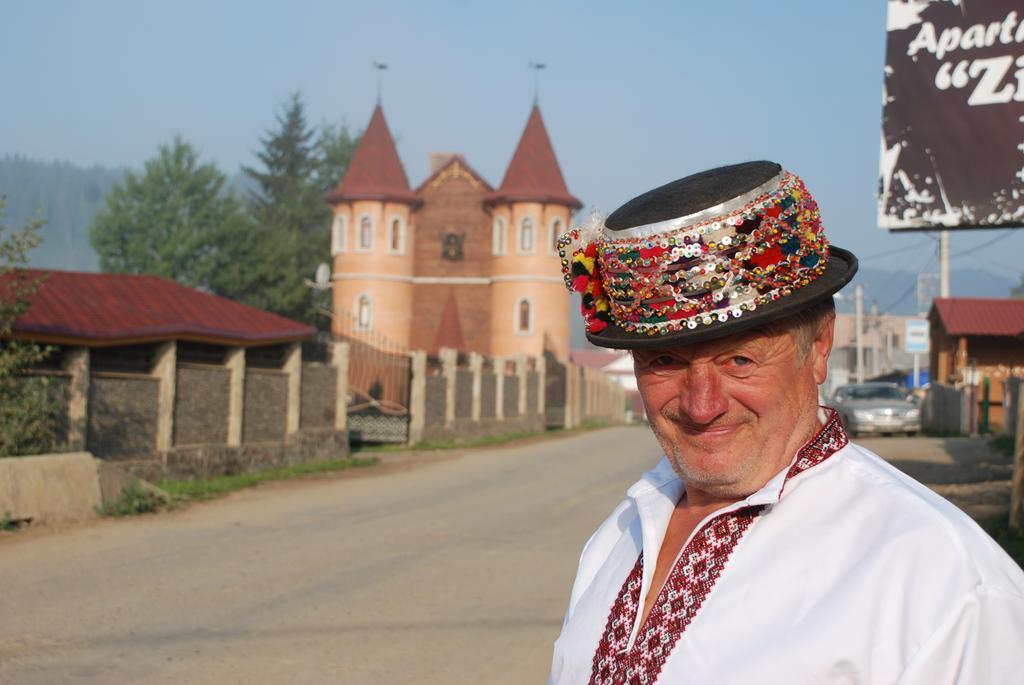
x,y
829,439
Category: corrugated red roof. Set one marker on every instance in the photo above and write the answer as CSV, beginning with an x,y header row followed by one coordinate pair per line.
x,y
980,316
107,309
533,175
375,172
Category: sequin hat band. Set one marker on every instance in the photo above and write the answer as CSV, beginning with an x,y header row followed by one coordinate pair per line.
x,y
701,270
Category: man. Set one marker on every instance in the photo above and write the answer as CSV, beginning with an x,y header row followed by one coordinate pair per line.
x,y
764,548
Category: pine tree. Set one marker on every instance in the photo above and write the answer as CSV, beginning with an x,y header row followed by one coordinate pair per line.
x,y
334,148
291,213
28,404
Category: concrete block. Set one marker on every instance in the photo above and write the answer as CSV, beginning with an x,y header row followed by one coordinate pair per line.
x,y
50,488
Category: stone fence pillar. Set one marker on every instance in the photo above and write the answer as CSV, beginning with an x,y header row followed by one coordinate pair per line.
x,y
293,367
339,358
540,364
417,396
476,364
76,364
498,364
236,394
521,374
166,372
449,369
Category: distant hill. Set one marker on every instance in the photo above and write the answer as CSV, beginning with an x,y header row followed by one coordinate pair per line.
x,y
895,292
67,197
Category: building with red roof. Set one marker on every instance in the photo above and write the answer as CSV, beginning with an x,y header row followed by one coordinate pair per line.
x,y
104,310
454,262
978,341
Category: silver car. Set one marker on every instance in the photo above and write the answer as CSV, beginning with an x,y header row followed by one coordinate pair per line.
x,y
876,408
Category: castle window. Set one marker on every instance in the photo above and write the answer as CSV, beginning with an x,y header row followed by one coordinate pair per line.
x,y
526,235
396,236
364,313
500,237
339,234
556,230
524,317
365,243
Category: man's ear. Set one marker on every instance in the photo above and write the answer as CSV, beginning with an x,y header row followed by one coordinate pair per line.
x,y
821,348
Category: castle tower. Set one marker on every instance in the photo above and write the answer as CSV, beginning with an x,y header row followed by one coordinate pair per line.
x,y
529,302
372,240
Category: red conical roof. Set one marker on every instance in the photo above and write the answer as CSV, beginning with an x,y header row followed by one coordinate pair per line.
x,y
449,329
533,175
375,172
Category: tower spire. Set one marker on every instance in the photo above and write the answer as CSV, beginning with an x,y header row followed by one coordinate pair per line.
x,y
379,67
536,67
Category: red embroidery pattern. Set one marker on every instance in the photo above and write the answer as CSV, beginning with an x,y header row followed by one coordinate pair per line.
x,y
688,585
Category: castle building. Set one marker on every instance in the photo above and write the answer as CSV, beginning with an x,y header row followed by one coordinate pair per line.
x,y
454,263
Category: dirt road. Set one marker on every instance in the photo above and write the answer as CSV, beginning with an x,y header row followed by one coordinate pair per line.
x,y
456,572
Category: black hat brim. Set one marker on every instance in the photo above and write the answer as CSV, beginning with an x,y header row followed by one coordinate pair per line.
x,y
842,266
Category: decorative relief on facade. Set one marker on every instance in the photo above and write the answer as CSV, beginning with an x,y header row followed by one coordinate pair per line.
x,y
454,170
451,248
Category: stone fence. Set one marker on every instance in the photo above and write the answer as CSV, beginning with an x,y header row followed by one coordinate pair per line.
x,y
458,396
184,410
172,416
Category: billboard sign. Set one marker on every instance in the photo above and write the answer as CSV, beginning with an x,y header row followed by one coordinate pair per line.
x,y
953,115
915,337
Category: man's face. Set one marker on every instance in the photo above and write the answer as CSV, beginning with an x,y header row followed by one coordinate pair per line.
x,y
731,413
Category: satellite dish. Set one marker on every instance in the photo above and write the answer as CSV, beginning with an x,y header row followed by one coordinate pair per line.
x,y
323,277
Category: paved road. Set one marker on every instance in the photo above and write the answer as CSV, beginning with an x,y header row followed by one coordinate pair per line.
x,y
441,568
456,572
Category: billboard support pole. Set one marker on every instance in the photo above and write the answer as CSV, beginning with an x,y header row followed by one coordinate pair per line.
x,y
917,370
944,263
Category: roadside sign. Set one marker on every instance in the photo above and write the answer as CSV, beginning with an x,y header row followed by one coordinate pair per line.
x,y
915,338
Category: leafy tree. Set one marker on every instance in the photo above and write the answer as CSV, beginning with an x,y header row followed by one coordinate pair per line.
x,y
28,404
168,220
1018,291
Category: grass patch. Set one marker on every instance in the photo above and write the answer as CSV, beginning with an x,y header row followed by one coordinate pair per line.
x,y
498,439
1001,444
1009,539
207,488
133,500
8,523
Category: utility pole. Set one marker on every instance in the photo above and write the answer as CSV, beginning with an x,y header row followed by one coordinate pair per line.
x,y
944,263
858,324
874,340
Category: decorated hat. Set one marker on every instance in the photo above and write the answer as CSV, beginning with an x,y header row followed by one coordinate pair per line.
x,y
703,257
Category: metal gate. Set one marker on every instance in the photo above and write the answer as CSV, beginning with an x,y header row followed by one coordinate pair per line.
x,y
378,388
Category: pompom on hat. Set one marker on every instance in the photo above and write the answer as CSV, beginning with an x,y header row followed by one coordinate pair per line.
x,y
707,256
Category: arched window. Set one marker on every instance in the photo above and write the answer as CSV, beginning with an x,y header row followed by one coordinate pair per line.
x,y
365,243
396,236
524,317
556,230
499,238
526,235
364,313
339,234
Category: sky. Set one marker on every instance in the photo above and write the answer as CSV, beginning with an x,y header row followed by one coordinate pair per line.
x,y
634,94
